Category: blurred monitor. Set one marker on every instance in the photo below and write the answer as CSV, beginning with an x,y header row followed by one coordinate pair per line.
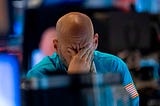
x,y
59,2
11,23
151,6
9,80
119,30
95,4
11,17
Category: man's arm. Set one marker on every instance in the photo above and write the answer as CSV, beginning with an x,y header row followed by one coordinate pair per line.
x,y
128,82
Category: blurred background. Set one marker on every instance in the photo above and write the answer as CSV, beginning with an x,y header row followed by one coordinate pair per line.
x,y
129,29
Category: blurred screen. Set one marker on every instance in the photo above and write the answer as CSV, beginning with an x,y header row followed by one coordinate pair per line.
x,y
55,2
151,6
9,80
97,3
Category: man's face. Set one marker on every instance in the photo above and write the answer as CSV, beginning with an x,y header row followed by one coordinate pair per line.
x,y
75,44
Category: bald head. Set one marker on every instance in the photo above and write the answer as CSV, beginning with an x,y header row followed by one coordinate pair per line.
x,y
74,24
74,32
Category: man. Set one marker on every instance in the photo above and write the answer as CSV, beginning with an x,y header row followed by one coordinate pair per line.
x,y
75,46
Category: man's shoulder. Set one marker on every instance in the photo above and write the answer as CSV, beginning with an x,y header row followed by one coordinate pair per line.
x,y
105,56
48,63
108,62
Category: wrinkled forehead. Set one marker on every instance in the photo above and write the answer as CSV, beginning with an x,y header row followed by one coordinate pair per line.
x,y
78,39
75,29
75,34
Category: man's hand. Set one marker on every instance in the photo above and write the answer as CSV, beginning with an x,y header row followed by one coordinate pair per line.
x,y
80,62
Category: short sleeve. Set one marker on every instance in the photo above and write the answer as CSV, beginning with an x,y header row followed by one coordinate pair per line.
x,y
128,82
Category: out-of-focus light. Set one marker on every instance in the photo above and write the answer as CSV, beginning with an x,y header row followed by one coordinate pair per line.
x,y
97,3
34,3
18,4
18,17
37,56
150,6
18,28
9,80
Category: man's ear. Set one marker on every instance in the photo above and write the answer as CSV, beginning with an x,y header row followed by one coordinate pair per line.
x,y
95,39
55,44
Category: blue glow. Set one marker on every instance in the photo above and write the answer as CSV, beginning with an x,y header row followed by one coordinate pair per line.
x,y
18,28
151,6
9,80
138,5
37,56
97,3
52,2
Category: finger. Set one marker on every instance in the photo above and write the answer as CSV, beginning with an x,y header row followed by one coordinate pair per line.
x,y
72,52
83,51
90,49
89,56
85,56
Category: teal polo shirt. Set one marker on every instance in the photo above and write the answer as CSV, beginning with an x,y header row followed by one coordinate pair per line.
x,y
104,62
